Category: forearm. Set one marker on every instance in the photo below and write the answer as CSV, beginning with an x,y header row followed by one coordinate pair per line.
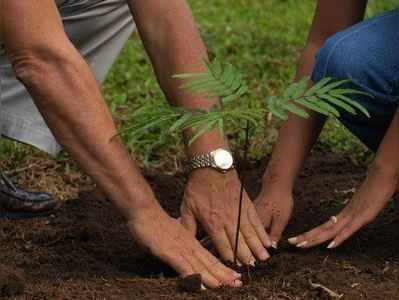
x,y
76,113
174,45
386,162
66,93
296,138
298,135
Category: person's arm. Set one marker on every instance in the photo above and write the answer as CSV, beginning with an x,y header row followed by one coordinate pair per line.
x,y
373,195
298,135
67,95
174,45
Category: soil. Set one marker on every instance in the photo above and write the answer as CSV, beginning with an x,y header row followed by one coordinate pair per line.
x,y
84,250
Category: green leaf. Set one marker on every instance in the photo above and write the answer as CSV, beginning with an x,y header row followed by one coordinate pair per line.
x,y
325,106
180,122
296,110
313,90
311,105
339,103
353,103
207,127
331,86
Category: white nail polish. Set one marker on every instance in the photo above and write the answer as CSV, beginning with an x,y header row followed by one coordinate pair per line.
x,y
252,262
293,240
203,287
331,245
237,283
303,244
274,245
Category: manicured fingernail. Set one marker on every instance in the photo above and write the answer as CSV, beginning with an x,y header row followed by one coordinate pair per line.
x,y
252,262
239,264
293,240
203,287
274,245
303,244
331,245
237,283
265,255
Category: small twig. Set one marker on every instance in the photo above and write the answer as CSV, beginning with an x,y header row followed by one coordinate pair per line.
x,y
331,293
23,169
241,194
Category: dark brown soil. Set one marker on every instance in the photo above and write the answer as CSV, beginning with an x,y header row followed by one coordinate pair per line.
x,y
84,250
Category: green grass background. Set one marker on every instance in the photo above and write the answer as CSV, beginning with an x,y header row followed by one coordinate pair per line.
x,y
263,38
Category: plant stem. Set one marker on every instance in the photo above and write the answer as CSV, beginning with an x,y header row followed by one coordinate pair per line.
x,y
246,146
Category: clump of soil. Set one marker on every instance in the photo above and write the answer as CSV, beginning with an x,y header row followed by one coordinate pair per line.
x,y
84,250
190,284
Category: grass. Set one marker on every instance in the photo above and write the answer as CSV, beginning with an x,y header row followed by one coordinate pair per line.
x,y
263,38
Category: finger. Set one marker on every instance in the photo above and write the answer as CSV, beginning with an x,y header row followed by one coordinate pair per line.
x,y
188,220
277,228
199,268
322,236
348,231
222,273
259,228
324,232
244,254
253,242
178,263
222,245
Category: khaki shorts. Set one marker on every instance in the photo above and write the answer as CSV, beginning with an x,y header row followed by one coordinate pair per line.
x,y
98,29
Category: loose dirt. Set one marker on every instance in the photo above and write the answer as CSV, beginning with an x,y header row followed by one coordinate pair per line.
x,y
84,251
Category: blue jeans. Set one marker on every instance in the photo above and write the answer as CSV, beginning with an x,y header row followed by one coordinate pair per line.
x,y
368,54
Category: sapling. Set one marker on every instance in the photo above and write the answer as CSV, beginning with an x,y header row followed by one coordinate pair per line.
x,y
225,82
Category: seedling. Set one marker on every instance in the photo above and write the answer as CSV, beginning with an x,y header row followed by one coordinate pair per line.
x,y
224,81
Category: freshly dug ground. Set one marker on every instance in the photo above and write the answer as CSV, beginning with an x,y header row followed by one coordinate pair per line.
x,y
84,250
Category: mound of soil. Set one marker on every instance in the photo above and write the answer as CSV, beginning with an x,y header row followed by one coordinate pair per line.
x,y
84,250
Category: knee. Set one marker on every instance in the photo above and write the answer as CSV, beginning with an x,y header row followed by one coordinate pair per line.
x,y
340,58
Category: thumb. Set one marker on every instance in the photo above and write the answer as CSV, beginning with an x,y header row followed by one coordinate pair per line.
x,y
188,220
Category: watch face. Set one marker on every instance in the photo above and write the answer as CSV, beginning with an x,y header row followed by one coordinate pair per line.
x,y
223,159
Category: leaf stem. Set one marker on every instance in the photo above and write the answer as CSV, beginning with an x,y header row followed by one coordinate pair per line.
x,y
246,146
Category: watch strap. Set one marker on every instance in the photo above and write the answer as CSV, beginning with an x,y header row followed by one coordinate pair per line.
x,y
201,161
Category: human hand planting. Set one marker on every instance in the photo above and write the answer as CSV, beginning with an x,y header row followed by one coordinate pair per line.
x,y
212,198
365,205
274,209
165,238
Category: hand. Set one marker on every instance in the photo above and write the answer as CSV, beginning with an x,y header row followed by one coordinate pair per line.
x,y
274,209
212,198
365,205
165,238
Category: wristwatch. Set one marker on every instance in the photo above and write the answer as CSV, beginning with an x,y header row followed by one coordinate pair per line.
x,y
219,159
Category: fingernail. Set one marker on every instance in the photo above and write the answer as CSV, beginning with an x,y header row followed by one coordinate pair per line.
x,y
303,244
203,287
293,240
238,275
239,264
331,245
264,256
252,262
274,245
237,283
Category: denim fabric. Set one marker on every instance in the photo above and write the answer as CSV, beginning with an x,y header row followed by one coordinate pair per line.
x,y
367,53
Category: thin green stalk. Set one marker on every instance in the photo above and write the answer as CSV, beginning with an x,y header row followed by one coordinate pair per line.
x,y
241,193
